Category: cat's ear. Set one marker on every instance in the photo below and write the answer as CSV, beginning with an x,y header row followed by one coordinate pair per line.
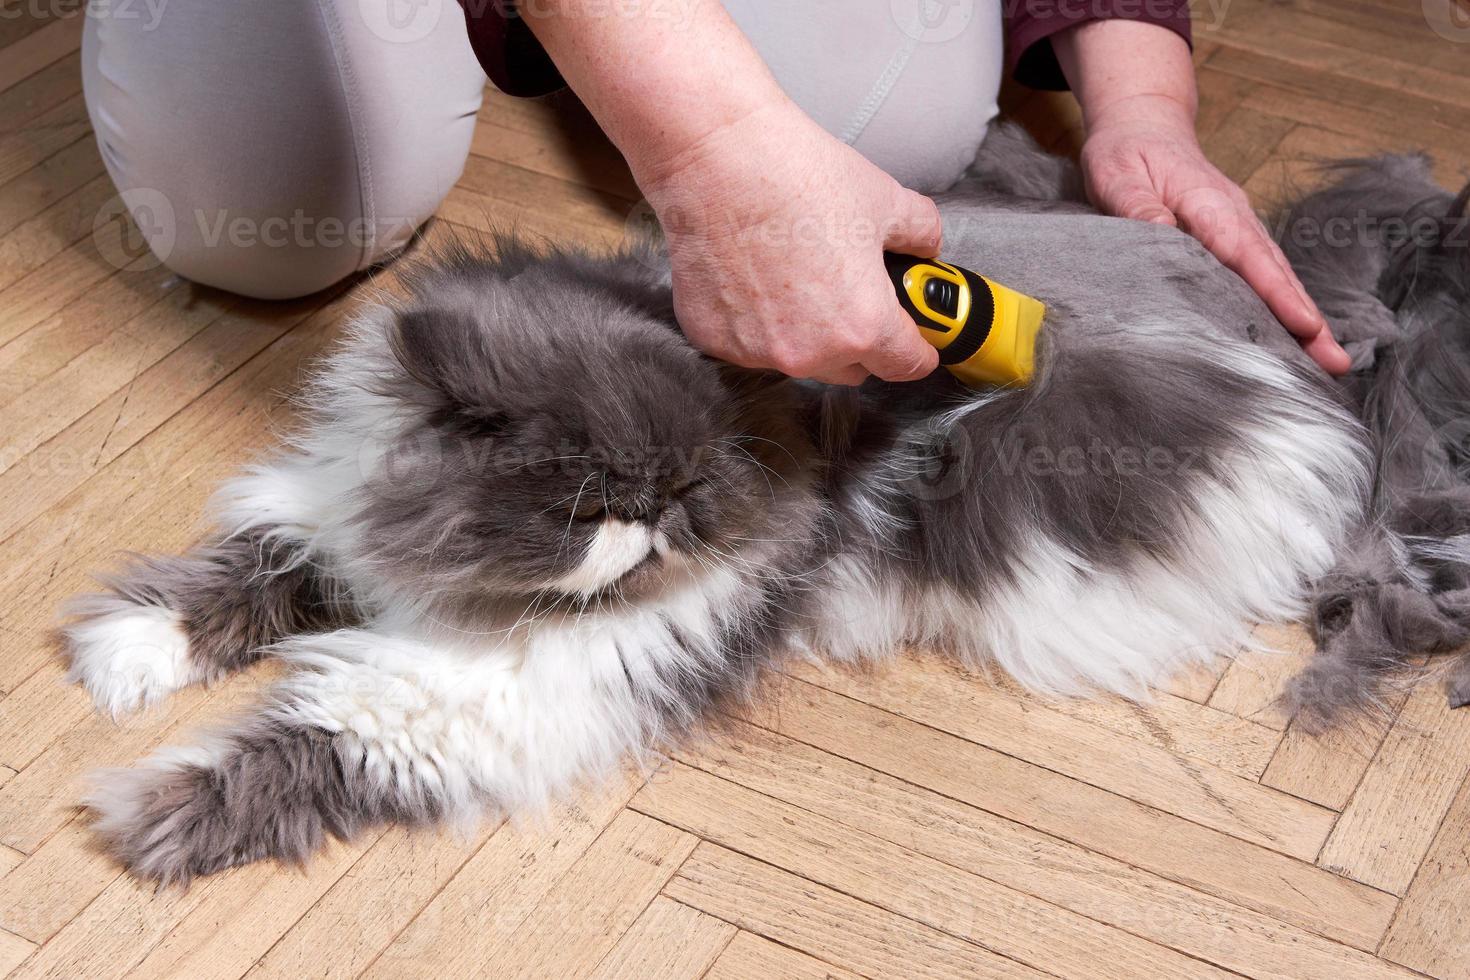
x,y
447,352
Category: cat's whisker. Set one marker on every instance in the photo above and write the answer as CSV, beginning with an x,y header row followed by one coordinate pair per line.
x,y
750,438
566,538
726,481
558,503
548,459
762,467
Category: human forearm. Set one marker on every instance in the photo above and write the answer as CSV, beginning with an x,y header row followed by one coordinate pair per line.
x,y
659,87
1123,67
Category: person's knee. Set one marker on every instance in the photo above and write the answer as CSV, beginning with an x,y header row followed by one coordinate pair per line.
x,y
261,255
278,181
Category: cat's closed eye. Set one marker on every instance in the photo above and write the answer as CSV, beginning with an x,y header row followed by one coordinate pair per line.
x,y
477,423
588,506
686,483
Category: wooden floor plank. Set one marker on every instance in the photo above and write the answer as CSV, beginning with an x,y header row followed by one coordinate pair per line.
x,y
517,185
933,692
109,430
33,242
556,138
27,147
1220,93
901,879
1298,165
118,452
13,951
39,49
510,876
1197,682
47,889
1313,54
1387,828
19,21
1244,140
22,104
1177,725
827,924
749,956
1252,684
669,941
43,797
106,309
1432,931
227,930
1074,811
475,216
58,285
116,361
369,905
585,914
892,826
1379,131
1363,92
30,193
1347,36
115,932
34,714
1326,767
1101,888
132,521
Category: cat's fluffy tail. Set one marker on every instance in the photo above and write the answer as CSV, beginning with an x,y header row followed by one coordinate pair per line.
x,y
1386,253
167,622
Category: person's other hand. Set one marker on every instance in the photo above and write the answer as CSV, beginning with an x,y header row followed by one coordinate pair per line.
x,y
776,232
1141,160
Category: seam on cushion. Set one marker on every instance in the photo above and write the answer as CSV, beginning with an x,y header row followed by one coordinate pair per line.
x,y
878,94
347,80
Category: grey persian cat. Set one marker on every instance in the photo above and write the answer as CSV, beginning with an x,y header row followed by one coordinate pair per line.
x,y
526,531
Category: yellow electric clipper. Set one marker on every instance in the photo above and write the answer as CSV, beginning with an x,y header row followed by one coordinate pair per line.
x,y
984,332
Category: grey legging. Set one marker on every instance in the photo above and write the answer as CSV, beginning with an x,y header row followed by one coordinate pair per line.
x,y
272,148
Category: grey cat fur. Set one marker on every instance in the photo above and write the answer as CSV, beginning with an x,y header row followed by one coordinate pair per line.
x,y
1385,253
854,523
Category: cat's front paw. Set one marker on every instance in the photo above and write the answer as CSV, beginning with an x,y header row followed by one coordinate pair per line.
x,y
164,821
128,656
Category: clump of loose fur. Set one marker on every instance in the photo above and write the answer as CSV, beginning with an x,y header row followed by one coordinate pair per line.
x,y
1395,285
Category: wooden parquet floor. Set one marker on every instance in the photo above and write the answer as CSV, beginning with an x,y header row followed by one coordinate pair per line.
x,y
912,823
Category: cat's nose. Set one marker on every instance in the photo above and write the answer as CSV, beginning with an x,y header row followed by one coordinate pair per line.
x,y
642,506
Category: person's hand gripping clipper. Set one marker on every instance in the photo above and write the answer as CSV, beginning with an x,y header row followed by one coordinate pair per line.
x,y
985,333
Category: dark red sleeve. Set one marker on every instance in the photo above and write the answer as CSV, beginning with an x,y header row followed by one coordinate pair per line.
x,y
516,63
1031,23
508,51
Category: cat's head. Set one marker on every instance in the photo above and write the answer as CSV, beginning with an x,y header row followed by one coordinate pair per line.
x,y
558,436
